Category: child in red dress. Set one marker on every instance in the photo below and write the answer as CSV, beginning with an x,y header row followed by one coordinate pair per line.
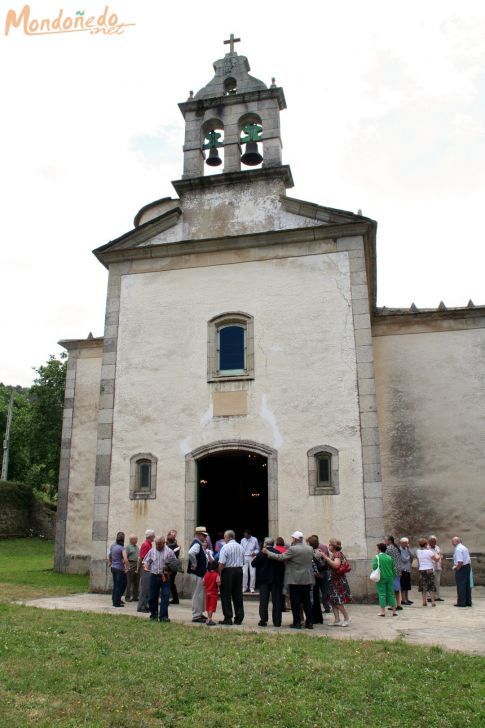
x,y
211,583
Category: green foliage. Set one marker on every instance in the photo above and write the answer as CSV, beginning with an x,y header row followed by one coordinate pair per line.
x,y
17,494
35,438
26,571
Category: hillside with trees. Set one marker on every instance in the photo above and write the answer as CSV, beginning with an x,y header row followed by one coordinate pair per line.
x,y
35,436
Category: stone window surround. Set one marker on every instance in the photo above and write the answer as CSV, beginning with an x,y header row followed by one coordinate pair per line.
x,y
219,447
136,494
314,488
224,319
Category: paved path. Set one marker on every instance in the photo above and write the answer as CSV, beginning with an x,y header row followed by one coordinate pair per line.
x,y
446,626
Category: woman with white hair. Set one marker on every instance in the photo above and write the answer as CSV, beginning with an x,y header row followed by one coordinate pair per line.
x,y
144,574
406,558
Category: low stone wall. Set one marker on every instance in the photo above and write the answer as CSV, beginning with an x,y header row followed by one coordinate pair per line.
x,y
42,520
14,521
22,514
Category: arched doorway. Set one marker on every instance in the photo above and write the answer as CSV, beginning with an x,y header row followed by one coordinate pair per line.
x,y
232,484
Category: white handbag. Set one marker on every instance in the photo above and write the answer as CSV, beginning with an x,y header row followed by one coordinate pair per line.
x,y
375,574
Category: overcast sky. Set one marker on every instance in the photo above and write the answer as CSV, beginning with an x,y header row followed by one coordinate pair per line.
x,y
386,107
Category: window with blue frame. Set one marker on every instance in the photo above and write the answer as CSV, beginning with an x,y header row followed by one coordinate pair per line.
x,y
230,346
231,349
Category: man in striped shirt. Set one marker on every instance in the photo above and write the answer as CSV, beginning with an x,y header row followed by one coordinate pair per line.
x,y
231,562
160,560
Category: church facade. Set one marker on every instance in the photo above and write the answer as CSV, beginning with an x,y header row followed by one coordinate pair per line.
x,y
246,378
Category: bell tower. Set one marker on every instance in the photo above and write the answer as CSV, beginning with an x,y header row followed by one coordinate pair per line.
x,y
234,113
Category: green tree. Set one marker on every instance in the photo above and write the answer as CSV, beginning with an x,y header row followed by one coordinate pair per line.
x,y
19,456
35,438
47,402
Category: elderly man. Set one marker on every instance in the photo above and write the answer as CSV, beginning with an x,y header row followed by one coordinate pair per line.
x,y
462,568
160,561
299,577
133,575
231,562
269,580
197,568
144,573
437,566
251,548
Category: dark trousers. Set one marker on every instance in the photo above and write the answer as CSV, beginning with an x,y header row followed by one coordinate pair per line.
x,y
324,586
265,590
463,588
144,590
232,594
300,597
316,606
119,586
133,582
157,586
173,587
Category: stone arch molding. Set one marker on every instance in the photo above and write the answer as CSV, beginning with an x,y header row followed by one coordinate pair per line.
x,y
222,446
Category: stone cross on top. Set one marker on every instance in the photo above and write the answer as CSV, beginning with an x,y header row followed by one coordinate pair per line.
x,y
231,42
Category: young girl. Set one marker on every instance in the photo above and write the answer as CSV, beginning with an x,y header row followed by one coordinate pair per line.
x,y
211,583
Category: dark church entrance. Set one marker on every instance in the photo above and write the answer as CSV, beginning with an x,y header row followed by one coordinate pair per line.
x,y
232,493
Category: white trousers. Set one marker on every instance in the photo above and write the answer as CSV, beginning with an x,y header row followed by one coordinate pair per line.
x,y
249,576
198,596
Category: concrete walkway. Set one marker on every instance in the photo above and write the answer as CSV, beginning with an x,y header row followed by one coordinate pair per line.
x,y
446,626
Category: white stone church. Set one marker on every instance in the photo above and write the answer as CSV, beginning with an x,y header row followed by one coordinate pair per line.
x,y
246,378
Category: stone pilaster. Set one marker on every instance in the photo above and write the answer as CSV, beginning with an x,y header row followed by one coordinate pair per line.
x,y
64,465
99,577
371,463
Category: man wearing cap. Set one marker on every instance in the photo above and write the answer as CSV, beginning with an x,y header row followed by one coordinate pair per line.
x,y
231,562
299,577
197,568
144,573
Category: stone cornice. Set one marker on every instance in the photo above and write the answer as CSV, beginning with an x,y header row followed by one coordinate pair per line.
x,y
72,344
397,321
231,178
142,233
237,242
201,105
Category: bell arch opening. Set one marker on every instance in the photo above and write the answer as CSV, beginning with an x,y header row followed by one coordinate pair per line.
x,y
232,485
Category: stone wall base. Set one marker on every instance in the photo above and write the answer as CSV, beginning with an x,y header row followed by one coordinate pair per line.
x,y
74,565
362,588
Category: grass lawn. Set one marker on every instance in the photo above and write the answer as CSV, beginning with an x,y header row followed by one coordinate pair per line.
x,y
26,571
67,669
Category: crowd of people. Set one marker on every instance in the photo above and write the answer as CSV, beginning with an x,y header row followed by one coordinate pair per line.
x,y
395,564
308,573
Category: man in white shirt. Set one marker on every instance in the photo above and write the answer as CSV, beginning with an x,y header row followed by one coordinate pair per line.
x,y
231,561
251,548
437,566
462,567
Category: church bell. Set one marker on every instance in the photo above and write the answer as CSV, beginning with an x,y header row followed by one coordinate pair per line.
x,y
251,156
213,160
